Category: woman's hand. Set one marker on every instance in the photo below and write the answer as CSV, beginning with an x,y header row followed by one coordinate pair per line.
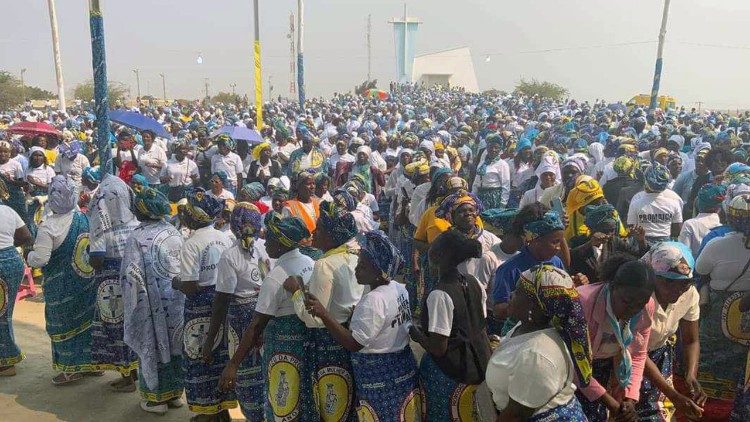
x,y
626,413
292,284
687,407
228,377
639,233
580,279
207,352
696,391
314,307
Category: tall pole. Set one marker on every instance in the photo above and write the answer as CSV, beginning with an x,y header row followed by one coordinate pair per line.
x,y
406,35
300,50
258,71
23,87
659,52
56,52
270,89
205,82
163,88
138,81
292,57
233,85
369,48
99,62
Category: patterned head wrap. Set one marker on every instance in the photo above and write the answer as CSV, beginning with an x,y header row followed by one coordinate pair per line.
x,y
92,174
671,260
70,150
376,246
246,224
657,178
259,149
494,138
500,219
624,166
556,295
254,190
736,173
279,192
600,217
62,195
226,140
585,191
456,182
151,203
454,201
441,171
344,199
738,213
550,222
139,179
576,161
288,231
201,207
710,197
337,221
222,175
418,167
660,152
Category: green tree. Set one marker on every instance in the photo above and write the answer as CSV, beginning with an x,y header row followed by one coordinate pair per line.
x,y
226,98
543,89
85,91
12,92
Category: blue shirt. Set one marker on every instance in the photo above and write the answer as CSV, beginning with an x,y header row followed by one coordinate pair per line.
x,y
508,273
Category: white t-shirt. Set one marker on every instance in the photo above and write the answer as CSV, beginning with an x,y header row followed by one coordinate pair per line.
x,y
655,212
533,369
440,312
230,163
151,163
125,154
665,322
200,256
13,222
723,258
694,230
381,320
71,168
41,175
180,173
488,264
12,170
225,194
241,274
273,299
471,265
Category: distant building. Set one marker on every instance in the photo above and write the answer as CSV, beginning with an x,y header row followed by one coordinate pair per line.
x,y
452,68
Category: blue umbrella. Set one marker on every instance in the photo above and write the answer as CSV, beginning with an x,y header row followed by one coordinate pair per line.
x,y
138,121
240,133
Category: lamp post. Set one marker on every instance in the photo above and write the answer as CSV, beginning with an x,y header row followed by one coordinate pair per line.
x,y
138,81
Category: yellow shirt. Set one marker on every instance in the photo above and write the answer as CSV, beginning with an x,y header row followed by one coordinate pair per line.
x,y
431,226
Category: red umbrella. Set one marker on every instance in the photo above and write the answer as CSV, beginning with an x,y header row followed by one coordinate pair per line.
x,y
34,128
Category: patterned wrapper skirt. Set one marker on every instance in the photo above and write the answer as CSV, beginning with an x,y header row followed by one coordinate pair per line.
x,y
17,201
724,337
287,362
202,380
11,273
70,298
250,379
491,197
654,405
388,386
171,382
405,237
596,410
333,382
108,350
446,399
569,412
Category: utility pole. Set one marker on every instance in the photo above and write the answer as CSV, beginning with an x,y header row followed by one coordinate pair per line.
x,y
700,103
163,88
233,85
270,89
56,53
659,52
369,48
23,86
292,57
300,54
148,87
205,81
138,81
258,70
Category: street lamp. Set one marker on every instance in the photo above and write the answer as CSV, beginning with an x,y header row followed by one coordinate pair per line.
x,y
138,81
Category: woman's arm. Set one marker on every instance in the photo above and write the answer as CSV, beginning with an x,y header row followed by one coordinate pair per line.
x,y
434,344
250,340
219,310
690,355
515,412
338,332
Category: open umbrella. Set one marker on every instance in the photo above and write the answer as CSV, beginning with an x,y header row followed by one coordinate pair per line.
x,y
138,121
34,128
240,133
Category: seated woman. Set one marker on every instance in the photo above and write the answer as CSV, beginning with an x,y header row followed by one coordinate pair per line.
x,y
378,336
531,373
619,312
454,327
677,309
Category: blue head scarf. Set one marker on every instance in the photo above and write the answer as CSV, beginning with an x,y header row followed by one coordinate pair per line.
x,y
254,190
600,217
344,199
226,140
672,260
201,207
337,221
657,177
92,174
151,203
246,224
222,175
710,197
382,253
62,195
500,219
288,231
139,179
549,223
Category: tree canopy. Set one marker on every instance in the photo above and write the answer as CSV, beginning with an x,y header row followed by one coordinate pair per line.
x,y
543,89
226,98
85,91
12,93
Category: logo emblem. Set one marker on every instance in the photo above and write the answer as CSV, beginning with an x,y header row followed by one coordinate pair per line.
x,y
81,257
463,403
195,333
109,299
283,386
334,388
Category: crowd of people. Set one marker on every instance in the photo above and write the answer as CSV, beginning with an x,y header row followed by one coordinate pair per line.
x,y
584,261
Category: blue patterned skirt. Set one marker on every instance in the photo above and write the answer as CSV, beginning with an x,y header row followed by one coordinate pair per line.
x,y
250,379
17,201
388,386
654,405
11,273
108,350
287,361
446,399
596,411
491,197
405,235
569,412
171,382
333,382
202,380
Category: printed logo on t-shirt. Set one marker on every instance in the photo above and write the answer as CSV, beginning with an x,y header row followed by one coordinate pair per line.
x,y
655,218
404,312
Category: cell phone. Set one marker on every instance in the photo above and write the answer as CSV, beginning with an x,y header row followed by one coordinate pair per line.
x,y
557,206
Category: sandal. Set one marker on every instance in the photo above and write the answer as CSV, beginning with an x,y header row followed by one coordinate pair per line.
x,y
66,378
156,408
8,371
175,403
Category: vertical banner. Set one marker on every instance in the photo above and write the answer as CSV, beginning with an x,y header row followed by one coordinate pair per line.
x,y
301,80
99,63
258,88
655,86
300,54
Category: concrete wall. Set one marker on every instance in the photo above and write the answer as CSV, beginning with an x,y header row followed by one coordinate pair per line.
x,y
455,64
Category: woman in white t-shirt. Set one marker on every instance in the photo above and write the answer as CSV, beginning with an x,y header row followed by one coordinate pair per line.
x,y
38,176
241,268
531,373
385,370
218,183
13,233
657,209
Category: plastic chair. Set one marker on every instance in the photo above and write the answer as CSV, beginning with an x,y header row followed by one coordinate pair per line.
x,y
27,287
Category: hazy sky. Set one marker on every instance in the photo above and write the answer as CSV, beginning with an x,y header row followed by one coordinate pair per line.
x,y
598,48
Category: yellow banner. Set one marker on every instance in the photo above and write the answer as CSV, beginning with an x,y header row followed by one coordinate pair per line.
x,y
258,88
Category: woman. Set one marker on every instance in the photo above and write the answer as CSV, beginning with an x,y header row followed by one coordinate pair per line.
x,y
378,336
333,283
677,309
228,161
454,329
619,312
287,365
180,173
627,170
252,193
218,183
13,175
657,209
14,233
38,177
153,309
322,187
305,205
70,162
531,373
199,259
548,175
723,266
90,179
707,203
70,291
585,192
492,181
151,159
242,267
263,167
